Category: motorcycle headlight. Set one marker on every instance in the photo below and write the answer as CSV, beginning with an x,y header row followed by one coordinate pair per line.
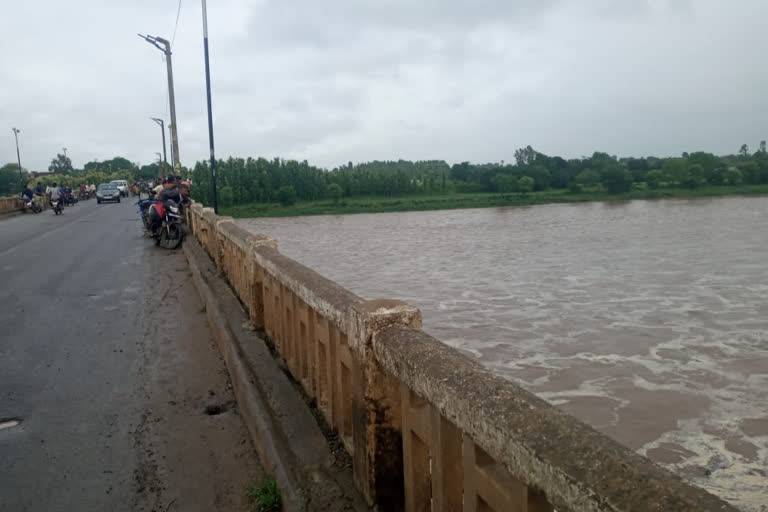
x,y
174,209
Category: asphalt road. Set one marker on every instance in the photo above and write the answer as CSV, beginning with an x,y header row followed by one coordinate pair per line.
x,y
108,364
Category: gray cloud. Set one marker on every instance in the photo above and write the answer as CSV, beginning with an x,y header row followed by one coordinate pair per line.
x,y
356,80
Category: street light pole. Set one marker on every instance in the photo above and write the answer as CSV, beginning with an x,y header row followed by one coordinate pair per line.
x,y
162,132
16,132
210,113
166,49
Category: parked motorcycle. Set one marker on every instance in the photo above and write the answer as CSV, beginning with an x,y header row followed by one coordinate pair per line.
x,y
144,206
29,204
170,232
57,207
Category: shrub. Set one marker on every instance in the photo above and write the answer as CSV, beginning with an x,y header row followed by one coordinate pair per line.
x,y
287,195
264,496
333,191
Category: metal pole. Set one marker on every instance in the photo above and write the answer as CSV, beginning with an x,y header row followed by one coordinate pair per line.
x,y
170,132
162,132
210,113
165,157
18,155
172,102
166,49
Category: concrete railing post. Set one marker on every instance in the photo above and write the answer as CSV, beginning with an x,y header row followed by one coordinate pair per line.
x,y
376,408
256,276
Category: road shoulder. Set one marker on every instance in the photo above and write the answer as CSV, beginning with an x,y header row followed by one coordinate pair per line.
x,y
193,449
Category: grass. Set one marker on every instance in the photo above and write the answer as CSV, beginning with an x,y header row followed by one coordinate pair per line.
x,y
264,496
476,200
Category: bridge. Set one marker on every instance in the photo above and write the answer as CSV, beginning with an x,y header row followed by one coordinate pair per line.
x,y
348,403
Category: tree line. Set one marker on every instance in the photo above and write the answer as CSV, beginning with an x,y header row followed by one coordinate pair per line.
x,y
249,180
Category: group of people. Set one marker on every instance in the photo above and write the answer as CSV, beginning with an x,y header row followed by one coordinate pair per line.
x,y
170,189
58,191
54,192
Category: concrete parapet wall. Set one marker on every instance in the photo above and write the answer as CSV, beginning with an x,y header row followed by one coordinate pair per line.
x,y
9,204
428,428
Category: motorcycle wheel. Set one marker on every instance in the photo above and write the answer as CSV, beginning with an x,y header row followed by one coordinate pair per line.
x,y
171,237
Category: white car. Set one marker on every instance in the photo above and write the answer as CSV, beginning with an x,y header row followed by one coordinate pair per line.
x,y
122,186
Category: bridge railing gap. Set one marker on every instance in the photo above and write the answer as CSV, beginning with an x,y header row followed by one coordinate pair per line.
x,y
427,428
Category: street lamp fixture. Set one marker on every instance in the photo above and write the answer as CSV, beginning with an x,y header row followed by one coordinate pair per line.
x,y
162,132
166,49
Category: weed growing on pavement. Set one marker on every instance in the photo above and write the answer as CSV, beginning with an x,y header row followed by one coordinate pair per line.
x,y
264,496
204,308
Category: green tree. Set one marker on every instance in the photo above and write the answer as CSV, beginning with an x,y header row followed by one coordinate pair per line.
x,y
695,177
762,147
118,164
707,161
732,177
287,195
616,179
525,185
541,176
588,178
525,156
750,172
654,178
226,196
717,176
148,172
675,170
61,165
504,184
744,151
9,179
334,192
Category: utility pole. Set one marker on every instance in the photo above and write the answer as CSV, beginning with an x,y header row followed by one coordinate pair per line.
x,y
162,132
170,133
166,49
16,132
210,114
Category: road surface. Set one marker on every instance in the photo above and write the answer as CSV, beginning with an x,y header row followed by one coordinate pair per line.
x,y
108,365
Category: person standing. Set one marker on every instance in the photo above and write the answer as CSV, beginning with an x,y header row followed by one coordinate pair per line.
x,y
53,192
39,195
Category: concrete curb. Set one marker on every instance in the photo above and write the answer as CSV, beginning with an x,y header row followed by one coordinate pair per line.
x,y
284,432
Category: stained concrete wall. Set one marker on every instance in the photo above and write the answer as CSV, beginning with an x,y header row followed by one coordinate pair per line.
x,y
428,428
9,204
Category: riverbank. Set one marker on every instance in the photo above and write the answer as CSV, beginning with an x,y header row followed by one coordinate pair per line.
x,y
476,200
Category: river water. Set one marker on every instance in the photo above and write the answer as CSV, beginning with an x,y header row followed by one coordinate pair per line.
x,y
646,319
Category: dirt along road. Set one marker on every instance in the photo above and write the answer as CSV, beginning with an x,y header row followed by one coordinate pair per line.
x,y
116,394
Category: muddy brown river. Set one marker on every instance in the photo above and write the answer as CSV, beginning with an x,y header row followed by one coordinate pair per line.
x,y
646,319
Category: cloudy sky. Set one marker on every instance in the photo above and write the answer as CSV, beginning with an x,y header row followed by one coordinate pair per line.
x,y
339,80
